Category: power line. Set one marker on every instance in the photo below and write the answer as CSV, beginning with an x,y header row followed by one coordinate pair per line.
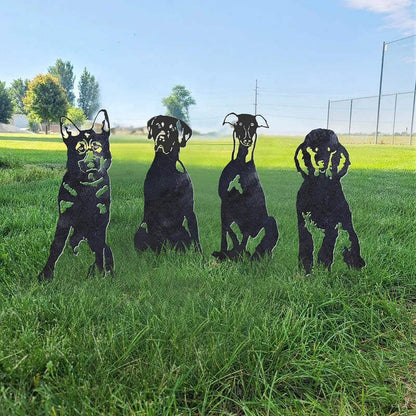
x,y
398,40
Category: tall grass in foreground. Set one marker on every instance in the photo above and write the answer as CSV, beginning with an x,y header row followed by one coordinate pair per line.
x,y
180,334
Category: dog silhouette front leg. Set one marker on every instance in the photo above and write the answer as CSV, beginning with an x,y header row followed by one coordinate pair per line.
x,y
224,243
305,245
109,260
97,245
234,239
57,247
193,230
237,247
225,253
326,253
352,256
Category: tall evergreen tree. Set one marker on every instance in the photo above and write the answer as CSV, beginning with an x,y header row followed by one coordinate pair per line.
x,y
6,104
17,92
89,94
64,71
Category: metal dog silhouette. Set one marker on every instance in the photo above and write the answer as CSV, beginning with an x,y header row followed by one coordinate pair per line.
x,y
321,198
169,216
84,195
243,203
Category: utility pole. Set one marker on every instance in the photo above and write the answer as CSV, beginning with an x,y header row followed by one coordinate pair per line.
x,y
327,115
349,124
255,98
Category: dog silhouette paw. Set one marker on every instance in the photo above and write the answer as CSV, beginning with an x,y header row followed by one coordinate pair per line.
x,y
353,261
220,255
109,272
46,275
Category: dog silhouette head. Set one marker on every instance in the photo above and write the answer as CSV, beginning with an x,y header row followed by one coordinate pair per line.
x,y
245,126
168,132
88,150
323,155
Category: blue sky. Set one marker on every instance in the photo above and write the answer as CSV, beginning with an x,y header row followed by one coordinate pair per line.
x,y
302,53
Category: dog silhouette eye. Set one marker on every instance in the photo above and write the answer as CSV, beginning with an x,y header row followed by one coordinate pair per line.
x,y
316,149
96,147
240,123
329,149
80,147
251,124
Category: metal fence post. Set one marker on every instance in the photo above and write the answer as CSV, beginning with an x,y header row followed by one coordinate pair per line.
x,y
394,118
349,124
379,91
413,115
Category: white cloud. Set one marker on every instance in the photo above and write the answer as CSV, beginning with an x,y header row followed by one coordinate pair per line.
x,y
399,14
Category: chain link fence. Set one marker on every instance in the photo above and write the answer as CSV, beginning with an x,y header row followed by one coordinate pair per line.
x,y
389,116
355,119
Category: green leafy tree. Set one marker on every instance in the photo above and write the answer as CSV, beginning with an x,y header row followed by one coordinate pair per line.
x,y
89,94
76,115
178,102
6,104
46,101
17,92
64,71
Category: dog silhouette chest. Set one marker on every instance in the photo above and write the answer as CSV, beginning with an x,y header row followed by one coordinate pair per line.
x,y
168,193
323,199
241,191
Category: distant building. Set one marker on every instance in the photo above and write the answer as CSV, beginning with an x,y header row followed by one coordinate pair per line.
x,y
20,121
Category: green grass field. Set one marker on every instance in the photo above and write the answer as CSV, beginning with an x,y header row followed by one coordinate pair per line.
x,y
177,334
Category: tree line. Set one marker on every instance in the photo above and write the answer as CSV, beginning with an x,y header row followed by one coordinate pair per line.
x,y
48,97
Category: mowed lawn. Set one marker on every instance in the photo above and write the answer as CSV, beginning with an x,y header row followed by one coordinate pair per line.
x,y
179,334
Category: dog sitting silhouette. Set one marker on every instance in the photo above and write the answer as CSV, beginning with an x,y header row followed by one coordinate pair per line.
x,y
84,195
242,198
321,198
169,216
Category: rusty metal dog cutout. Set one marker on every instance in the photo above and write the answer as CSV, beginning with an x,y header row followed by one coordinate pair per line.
x,y
84,195
169,217
321,199
243,204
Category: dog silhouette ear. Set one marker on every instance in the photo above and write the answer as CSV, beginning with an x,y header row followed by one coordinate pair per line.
x,y
150,126
306,157
261,121
340,162
101,123
68,128
231,119
185,132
